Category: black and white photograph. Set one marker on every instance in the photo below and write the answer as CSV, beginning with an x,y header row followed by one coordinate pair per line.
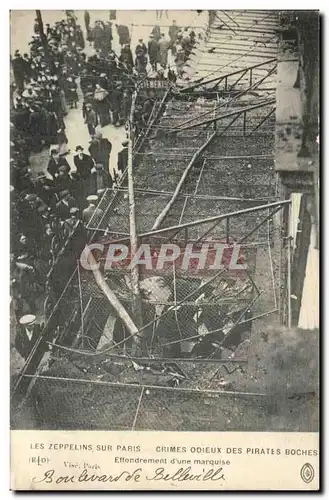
x,y
164,220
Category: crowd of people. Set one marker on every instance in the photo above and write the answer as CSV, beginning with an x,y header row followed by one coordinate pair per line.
x,y
178,41
48,208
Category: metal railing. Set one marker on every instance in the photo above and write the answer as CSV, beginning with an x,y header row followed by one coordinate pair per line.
x,y
224,78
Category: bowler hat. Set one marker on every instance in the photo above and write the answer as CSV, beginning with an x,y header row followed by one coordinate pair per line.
x,y
64,193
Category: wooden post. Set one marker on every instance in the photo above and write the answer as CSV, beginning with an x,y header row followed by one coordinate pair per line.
x,y
112,298
137,302
289,280
170,203
289,270
43,36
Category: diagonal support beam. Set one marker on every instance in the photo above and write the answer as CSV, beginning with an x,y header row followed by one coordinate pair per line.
x,y
258,208
262,121
225,24
179,186
237,81
259,225
230,18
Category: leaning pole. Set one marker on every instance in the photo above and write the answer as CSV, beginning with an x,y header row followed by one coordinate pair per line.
x,y
138,345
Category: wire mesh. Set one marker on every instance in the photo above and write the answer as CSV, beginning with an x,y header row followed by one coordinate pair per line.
x,y
179,411
70,405
115,219
86,405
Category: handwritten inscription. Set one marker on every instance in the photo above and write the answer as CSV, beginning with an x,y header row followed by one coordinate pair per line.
x,y
159,474
50,476
186,475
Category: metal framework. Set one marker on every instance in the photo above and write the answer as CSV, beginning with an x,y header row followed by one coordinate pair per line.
x,y
181,205
224,78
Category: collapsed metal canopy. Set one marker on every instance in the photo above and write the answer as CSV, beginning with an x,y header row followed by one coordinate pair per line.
x,y
228,189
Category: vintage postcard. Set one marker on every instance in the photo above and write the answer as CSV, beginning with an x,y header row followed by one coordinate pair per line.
x,y
164,193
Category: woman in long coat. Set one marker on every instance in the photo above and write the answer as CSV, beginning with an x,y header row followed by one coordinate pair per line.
x,y
102,105
123,32
87,20
72,92
153,50
98,35
156,32
163,52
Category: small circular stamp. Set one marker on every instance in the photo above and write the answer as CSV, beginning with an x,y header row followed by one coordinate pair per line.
x,y
307,473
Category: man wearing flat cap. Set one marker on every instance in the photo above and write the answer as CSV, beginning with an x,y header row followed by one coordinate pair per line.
x,y
27,334
91,209
71,224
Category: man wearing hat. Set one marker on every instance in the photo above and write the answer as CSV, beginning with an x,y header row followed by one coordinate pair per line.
x,y
90,119
36,27
126,56
75,231
163,51
27,67
72,222
45,189
83,163
123,158
20,116
29,93
141,57
91,209
55,162
103,81
123,32
115,100
63,180
27,334
18,65
64,205
100,149
108,36
173,32
141,47
153,50
34,202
